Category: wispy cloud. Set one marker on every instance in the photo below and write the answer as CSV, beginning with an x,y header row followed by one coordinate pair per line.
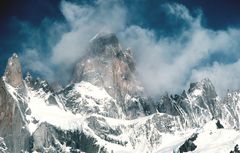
x,y
170,63
164,63
85,21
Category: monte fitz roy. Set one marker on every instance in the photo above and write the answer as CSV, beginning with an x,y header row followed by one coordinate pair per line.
x,y
105,108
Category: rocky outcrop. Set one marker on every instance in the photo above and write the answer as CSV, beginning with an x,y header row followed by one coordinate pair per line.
x,y
13,72
236,149
219,125
189,144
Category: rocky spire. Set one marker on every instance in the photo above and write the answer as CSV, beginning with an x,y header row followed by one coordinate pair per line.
x,y
107,65
13,72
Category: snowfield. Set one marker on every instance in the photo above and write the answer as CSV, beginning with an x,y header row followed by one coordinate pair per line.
x,y
209,140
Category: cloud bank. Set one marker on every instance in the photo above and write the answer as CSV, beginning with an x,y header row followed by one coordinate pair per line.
x,y
164,63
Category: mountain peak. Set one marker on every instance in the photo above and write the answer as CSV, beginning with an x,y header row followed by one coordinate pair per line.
x,y
13,72
107,65
104,44
101,36
201,85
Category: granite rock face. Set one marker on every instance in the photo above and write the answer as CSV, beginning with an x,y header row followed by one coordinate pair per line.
x,y
107,65
13,72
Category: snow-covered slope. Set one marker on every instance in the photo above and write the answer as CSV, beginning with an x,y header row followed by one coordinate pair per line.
x,y
209,139
85,98
160,133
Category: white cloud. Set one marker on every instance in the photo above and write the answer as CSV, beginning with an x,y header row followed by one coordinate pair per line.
x,y
164,64
31,60
224,77
85,21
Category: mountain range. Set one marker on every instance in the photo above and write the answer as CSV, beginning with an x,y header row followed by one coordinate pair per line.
x,y
105,109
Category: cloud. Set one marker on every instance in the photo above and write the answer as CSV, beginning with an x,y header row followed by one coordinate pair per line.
x,y
62,44
171,63
85,22
31,60
224,77
164,63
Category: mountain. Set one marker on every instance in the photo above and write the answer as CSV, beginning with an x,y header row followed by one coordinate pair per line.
x,y
106,109
108,66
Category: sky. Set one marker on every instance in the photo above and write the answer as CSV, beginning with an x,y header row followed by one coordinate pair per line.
x,y
174,42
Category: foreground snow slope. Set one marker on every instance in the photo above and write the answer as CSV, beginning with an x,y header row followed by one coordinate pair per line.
x,y
209,140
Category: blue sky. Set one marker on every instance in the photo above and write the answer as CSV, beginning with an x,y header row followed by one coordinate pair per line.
x,y
174,42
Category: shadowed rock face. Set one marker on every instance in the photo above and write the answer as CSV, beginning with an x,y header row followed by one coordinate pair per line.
x,y
13,72
188,144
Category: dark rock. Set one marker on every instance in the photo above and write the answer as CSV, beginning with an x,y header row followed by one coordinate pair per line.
x,y
219,125
168,105
35,121
52,100
236,149
38,83
188,144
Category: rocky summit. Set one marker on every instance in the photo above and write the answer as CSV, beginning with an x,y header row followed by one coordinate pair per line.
x,y
13,72
105,109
